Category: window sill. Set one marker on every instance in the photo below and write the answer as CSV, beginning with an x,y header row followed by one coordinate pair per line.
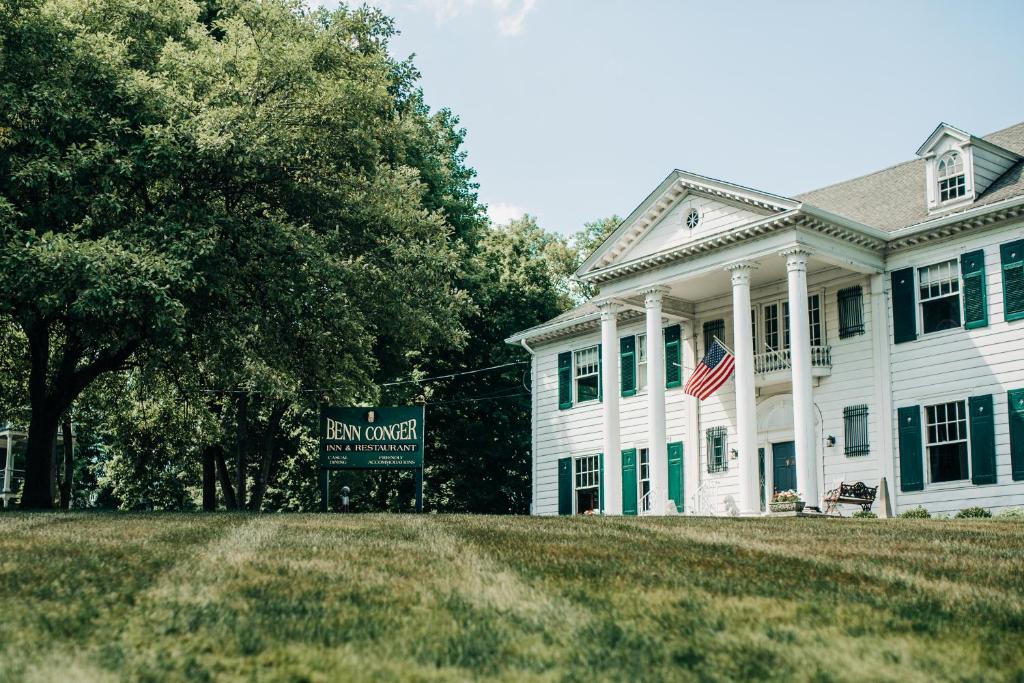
x,y
950,485
939,334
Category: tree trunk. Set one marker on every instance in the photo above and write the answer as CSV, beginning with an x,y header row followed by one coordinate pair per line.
x,y
42,426
42,438
66,485
209,479
225,480
268,446
50,401
242,433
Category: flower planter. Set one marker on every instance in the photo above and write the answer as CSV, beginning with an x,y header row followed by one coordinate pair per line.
x,y
788,506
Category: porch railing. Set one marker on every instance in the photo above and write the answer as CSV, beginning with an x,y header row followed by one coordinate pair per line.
x,y
774,361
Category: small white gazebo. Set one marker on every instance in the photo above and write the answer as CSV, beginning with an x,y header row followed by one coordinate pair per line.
x,y
13,439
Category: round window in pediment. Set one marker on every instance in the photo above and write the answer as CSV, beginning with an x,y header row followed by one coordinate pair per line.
x,y
692,219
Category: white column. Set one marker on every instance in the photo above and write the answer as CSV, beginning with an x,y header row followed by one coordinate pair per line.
x,y
612,503
691,455
878,322
746,405
656,445
800,359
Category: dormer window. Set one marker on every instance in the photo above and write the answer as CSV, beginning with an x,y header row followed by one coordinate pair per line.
x,y
951,178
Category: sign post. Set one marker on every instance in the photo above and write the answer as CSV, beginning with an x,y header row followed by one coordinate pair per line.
x,y
371,439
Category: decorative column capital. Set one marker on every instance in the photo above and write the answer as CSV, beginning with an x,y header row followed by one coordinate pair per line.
x,y
741,271
653,295
609,308
796,258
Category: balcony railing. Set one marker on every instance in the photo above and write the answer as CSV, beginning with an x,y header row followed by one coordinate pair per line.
x,y
776,361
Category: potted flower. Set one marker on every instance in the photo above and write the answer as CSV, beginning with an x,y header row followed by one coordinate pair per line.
x,y
787,501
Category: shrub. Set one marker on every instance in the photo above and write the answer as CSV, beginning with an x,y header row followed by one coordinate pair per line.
x,y
916,512
1011,513
973,513
865,514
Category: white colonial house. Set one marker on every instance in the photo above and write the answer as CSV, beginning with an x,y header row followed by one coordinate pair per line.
x,y
878,333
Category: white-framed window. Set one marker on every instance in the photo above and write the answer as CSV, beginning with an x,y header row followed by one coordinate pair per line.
x,y
949,173
775,324
644,483
585,372
814,319
692,219
938,288
641,362
588,484
946,439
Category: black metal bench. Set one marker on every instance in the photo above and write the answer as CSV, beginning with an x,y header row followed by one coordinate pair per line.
x,y
854,494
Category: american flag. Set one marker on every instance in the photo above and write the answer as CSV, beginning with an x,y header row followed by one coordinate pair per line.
x,y
714,369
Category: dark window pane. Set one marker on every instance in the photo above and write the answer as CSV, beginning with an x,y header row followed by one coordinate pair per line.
x,y
941,314
948,462
586,388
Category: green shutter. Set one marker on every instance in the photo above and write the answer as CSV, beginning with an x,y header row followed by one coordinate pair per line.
x,y
911,463
565,380
565,486
675,474
972,268
600,482
627,361
1015,400
1012,256
629,482
673,358
983,440
904,313
600,374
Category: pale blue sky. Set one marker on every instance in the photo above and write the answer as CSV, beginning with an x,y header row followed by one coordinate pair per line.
x,y
577,110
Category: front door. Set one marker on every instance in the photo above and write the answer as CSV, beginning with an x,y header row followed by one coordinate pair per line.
x,y
784,466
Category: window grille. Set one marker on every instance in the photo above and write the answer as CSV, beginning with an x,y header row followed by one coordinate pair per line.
x,y
586,371
814,318
771,327
717,442
952,181
939,289
712,329
587,472
851,312
641,361
645,480
855,429
947,441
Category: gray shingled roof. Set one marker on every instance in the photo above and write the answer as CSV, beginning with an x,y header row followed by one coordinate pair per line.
x,y
894,197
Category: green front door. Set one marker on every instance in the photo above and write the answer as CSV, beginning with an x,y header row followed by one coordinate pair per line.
x,y
784,466
629,482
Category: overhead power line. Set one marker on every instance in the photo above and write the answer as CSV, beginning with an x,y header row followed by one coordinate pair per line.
x,y
385,384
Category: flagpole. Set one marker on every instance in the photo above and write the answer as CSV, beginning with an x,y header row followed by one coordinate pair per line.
x,y
715,337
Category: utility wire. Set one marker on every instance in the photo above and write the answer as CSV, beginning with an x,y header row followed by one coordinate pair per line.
x,y
385,384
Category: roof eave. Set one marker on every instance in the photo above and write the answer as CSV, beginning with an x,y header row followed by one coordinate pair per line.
x,y
949,219
738,193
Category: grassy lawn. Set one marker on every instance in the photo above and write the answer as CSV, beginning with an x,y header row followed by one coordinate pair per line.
x,y
154,597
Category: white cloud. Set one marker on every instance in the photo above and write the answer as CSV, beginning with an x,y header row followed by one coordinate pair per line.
x,y
511,24
501,213
510,15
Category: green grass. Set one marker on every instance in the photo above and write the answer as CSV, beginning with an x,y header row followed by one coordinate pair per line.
x,y
161,597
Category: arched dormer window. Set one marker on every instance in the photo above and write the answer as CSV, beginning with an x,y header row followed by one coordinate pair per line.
x,y
950,175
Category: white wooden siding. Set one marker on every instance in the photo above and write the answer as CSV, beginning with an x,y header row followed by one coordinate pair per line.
x,y
579,430
987,168
955,364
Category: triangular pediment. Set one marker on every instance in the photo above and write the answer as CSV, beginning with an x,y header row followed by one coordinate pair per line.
x,y
685,207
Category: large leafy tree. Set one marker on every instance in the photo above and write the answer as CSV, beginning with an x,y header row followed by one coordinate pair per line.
x,y
245,194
